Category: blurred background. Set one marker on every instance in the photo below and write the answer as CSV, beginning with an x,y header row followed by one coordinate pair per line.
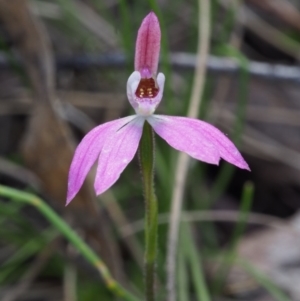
x,y
63,70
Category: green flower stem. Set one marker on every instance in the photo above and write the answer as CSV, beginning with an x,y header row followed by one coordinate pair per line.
x,y
71,236
146,151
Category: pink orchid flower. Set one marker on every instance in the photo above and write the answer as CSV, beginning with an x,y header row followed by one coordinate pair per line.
x,y
115,143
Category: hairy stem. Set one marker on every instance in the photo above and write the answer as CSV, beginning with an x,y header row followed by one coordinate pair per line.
x,y
146,151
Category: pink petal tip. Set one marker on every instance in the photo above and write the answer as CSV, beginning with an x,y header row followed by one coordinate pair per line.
x,y
197,138
88,151
148,45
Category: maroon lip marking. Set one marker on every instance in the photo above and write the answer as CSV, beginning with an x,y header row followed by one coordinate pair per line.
x,y
146,88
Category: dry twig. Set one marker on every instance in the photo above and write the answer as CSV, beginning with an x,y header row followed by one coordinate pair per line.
x,y
183,159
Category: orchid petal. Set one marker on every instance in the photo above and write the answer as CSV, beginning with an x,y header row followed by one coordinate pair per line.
x,y
118,150
161,82
185,139
88,151
132,84
148,44
208,134
226,148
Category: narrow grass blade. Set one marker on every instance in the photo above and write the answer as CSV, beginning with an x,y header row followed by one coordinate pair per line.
x,y
71,236
182,279
264,281
229,257
195,261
